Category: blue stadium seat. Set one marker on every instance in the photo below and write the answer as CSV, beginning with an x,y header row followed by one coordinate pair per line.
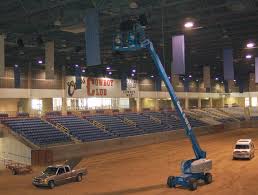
x,y
81,128
36,131
116,125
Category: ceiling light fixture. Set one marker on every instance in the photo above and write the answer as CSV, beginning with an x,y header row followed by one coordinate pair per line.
x,y
250,45
248,56
189,24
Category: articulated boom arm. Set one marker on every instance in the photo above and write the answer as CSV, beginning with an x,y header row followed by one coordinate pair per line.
x,y
199,153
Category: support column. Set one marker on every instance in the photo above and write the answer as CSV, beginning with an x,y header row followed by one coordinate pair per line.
x,y
50,59
2,56
199,103
186,103
175,80
206,78
210,103
251,82
64,99
138,104
231,84
29,109
223,102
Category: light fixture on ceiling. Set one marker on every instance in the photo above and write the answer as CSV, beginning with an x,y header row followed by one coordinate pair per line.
x,y
132,74
107,68
250,45
248,56
40,62
109,73
190,76
189,24
216,78
83,70
152,76
134,71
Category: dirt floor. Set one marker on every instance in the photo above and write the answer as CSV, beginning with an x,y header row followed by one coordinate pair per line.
x,y
145,170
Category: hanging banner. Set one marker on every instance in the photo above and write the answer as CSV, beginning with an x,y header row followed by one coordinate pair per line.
x,y
92,37
2,56
123,82
228,64
178,53
50,59
17,76
78,75
158,84
256,70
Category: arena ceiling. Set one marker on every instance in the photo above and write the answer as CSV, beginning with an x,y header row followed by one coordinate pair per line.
x,y
218,24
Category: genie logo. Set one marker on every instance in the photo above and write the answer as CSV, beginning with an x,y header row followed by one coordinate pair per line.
x,y
72,87
184,117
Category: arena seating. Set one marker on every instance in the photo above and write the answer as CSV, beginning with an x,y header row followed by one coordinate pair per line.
x,y
116,125
169,119
81,128
237,112
36,131
219,115
145,123
193,121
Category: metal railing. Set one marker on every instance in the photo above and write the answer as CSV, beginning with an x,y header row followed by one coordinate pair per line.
x,y
129,122
156,120
98,125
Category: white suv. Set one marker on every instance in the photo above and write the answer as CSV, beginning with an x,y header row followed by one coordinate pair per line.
x,y
244,148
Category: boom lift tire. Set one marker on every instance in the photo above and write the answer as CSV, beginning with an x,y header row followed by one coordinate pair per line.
x,y
208,178
170,181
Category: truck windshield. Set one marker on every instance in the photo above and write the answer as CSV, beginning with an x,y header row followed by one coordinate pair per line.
x,y
50,171
242,147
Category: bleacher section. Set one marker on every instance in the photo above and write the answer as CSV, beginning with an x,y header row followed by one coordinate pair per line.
x,y
81,128
237,112
101,126
145,123
37,131
116,126
166,118
220,116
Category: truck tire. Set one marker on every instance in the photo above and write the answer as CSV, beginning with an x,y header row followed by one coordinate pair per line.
x,y
208,178
170,181
79,178
51,184
193,185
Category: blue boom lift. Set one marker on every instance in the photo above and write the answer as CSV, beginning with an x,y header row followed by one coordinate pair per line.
x,y
193,170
